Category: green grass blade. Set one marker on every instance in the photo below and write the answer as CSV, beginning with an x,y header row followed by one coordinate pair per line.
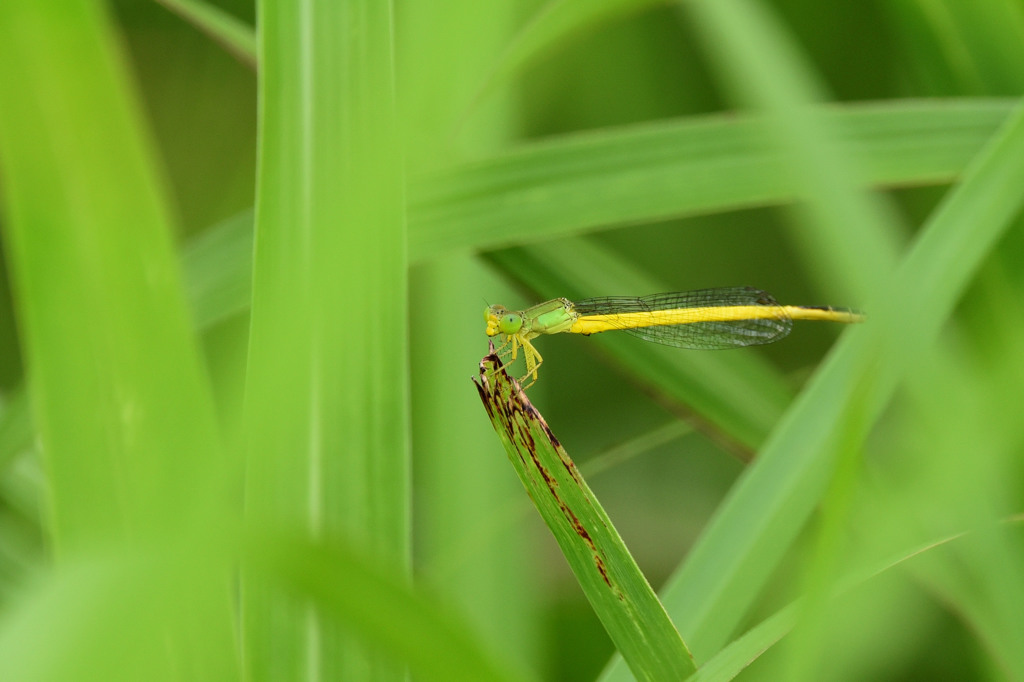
x,y
980,581
557,23
614,585
623,452
744,650
658,171
236,37
216,267
15,427
327,388
218,270
120,400
981,43
124,411
133,599
672,169
377,602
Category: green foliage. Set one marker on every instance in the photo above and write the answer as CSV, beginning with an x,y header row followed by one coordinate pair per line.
x,y
614,585
228,335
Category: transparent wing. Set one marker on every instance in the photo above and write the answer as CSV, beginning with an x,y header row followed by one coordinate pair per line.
x,y
688,319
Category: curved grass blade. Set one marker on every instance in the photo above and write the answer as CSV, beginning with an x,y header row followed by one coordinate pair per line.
x,y
125,411
377,603
15,427
657,171
234,35
120,398
741,652
610,578
556,24
218,270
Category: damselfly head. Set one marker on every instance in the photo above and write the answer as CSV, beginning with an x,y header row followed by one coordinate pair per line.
x,y
500,320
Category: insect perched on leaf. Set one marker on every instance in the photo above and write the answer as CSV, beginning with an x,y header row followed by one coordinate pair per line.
x,y
705,319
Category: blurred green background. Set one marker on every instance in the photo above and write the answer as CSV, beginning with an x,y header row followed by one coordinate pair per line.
x,y
521,124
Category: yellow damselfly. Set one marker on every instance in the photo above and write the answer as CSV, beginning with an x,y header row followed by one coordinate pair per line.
x,y
705,319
